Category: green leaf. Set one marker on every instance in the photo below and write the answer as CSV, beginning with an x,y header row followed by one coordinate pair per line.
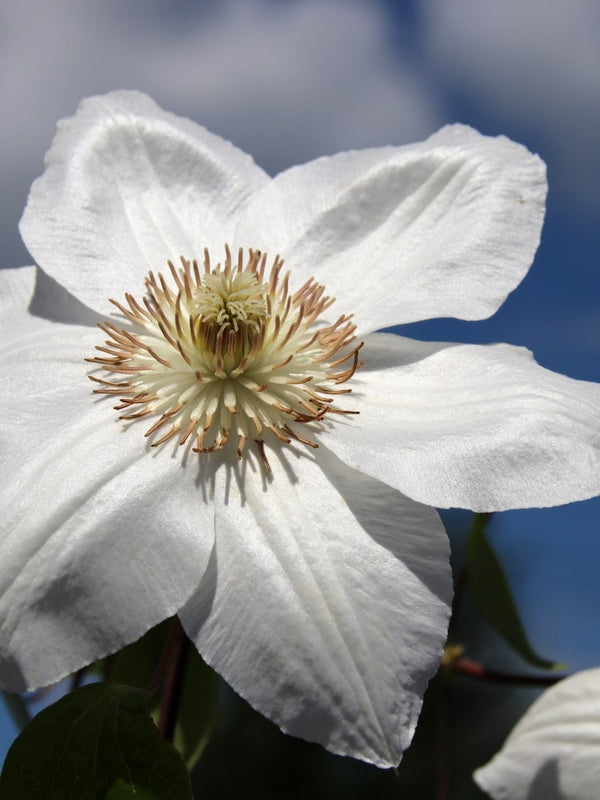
x,y
96,743
199,705
491,595
198,711
125,791
136,664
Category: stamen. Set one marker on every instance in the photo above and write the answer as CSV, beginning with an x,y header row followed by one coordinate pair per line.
x,y
224,351
261,451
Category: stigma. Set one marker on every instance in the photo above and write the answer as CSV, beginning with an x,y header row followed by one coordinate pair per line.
x,y
221,355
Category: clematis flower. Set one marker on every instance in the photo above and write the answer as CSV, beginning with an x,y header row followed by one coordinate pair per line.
x,y
269,470
553,753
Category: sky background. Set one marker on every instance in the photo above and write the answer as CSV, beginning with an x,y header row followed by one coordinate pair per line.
x,y
290,80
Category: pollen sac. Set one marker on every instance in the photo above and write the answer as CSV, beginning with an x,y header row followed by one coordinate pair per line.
x,y
226,354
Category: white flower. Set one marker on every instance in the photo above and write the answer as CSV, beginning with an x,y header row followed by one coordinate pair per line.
x,y
553,753
279,514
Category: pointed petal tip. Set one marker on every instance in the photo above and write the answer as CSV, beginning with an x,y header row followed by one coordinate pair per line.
x,y
338,644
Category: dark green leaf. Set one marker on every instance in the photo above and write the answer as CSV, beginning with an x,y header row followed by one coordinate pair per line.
x,y
198,711
125,791
136,664
199,706
96,743
491,595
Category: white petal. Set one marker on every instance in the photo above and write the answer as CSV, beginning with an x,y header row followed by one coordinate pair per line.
x,y
16,289
447,227
100,539
480,427
53,302
30,288
553,753
327,603
126,187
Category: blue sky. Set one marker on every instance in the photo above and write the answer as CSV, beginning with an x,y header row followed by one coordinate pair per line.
x,y
289,80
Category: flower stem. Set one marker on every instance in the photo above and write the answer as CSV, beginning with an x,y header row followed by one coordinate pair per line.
x,y
177,651
175,633
473,669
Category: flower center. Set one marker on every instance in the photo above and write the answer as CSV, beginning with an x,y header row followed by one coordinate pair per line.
x,y
227,354
231,300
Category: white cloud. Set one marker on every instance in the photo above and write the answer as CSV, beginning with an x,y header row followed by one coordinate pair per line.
x,y
287,81
534,65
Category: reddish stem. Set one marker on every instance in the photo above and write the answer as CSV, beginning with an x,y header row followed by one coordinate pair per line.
x,y
178,651
473,669
175,633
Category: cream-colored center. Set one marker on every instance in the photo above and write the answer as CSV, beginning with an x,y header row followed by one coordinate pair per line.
x,y
231,300
227,354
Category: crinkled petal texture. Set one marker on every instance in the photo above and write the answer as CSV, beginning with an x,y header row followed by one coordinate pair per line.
x,y
326,601
324,598
321,592
471,426
553,753
126,187
446,227
101,538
